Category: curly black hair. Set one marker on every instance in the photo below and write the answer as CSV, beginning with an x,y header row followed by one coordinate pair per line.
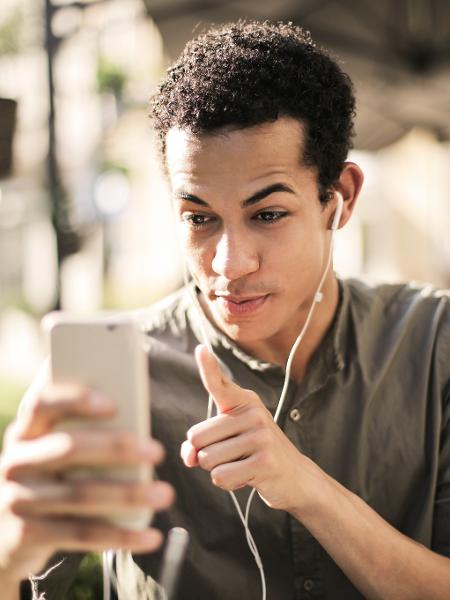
x,y
248,73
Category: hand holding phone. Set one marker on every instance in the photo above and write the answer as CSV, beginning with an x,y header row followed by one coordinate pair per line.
x,y
45,506
105,353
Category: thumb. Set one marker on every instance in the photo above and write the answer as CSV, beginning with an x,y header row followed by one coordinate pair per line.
x,y
225,393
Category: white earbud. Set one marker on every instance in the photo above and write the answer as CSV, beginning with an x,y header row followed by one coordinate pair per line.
x,y
338,213
318,297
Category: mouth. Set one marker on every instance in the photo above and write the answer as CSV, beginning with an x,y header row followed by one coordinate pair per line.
x,y
240,305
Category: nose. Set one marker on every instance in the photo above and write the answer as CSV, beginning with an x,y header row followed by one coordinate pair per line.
x,y
234,257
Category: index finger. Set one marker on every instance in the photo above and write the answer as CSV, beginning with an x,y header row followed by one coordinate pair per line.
x,y
226,394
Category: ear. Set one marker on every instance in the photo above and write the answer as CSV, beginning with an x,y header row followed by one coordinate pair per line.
x,y
349,185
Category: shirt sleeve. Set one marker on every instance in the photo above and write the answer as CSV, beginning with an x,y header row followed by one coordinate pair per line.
x,y
441,517
441,520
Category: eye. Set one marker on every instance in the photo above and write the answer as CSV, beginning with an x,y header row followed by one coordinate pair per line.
x,y
197,220
270,216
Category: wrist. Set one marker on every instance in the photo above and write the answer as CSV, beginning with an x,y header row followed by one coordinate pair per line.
x,y
315,489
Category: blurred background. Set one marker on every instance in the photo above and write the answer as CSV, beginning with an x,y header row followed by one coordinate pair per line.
x,y
85,219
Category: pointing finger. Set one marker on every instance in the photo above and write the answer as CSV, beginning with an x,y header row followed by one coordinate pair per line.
x,y
226,394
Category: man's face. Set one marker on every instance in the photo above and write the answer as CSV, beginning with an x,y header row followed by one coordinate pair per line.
x,y
255,235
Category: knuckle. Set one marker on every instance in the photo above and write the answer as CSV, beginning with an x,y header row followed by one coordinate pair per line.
x,y
204,460
159,452
133,495
218,478
14,503
8,468
195,437
82,399
226,383
126,539
264,460
252,395
85,532
60,401
168,490
10,500
10,434
264,437
256,416
70,445
249,397
37,404
79,493
124,444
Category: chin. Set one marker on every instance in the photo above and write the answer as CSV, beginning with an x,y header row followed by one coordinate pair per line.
x,y
249,333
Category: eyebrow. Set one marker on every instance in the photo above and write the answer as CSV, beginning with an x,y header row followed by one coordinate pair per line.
x,y
253,199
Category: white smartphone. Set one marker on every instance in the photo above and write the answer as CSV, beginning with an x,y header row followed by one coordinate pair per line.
x,y
105,352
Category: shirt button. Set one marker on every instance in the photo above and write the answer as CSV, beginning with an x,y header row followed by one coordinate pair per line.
x,y
308,585
295,416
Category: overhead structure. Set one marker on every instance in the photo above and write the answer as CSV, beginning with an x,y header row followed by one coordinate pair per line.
x,y
398,53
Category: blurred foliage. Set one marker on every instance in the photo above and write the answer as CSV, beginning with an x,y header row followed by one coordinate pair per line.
x,y
88,584
11,32
17,299
110,78
10,394
111,165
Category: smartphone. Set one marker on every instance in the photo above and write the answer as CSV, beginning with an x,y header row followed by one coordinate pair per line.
x,y
105,352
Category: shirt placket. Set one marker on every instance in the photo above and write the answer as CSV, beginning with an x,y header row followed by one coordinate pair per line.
x,y
306,551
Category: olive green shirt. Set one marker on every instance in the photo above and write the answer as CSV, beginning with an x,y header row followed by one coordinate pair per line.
x,y
373,411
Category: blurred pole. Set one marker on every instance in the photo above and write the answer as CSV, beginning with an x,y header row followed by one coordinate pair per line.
x,y
67,239
52,167
8,117
53,176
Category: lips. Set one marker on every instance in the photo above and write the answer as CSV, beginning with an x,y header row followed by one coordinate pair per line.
x,y
237,306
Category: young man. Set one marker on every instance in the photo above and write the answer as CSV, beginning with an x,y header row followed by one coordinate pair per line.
x,y
354,481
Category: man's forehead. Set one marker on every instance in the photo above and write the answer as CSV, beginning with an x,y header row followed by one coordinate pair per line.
x,y
273,146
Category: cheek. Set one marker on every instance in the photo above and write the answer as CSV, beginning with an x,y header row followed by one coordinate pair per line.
x,y
197,255
297,260
291,250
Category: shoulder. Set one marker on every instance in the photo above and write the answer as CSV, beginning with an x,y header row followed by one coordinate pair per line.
x,y
398,301
167,316
167,328
401,319
169,342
